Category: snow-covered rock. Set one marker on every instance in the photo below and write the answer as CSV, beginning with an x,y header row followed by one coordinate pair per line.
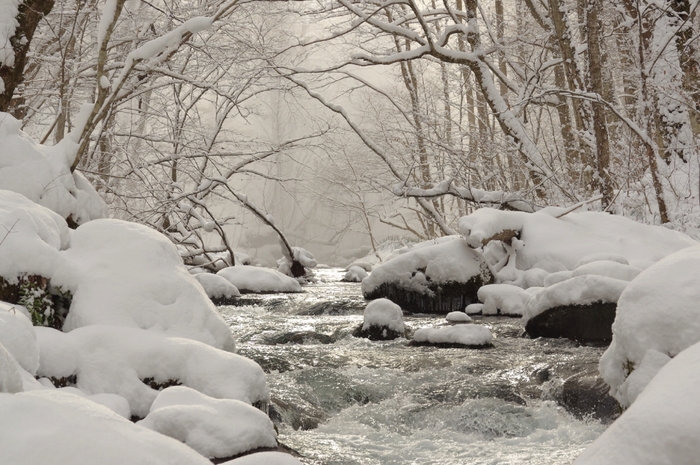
x,y
215,428
303,257
117,360
662,426
265,458
219,289
458,317
430,277
42,174
608,268
355,274
658,316
54,426
257,279
18,337
458,335
503,299
126,274
383,320
10,377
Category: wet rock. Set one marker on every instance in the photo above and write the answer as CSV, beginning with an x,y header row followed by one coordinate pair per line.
x,y
583,323
377,333
587,396
334,307
299,337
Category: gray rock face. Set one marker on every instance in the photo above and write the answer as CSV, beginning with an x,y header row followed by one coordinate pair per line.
x,y
583,323
586,395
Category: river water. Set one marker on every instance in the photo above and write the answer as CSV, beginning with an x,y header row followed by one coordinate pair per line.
x,y
337,399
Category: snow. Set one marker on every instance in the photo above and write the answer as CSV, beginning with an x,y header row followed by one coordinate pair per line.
x,y
42,174
212,427
126,274
468,335
458,317
473,309
657,312
303,256
608,268
662,427
383,313
51,426
18,337
597,257
10,377
555,244
265,458
256,279
355,274
503,299
216,286
113,359
580,290
449,259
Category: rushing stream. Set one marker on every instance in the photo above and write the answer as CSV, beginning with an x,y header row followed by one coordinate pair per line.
x,y
337,399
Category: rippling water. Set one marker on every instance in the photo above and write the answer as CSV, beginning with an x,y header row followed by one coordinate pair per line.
x,y
337,399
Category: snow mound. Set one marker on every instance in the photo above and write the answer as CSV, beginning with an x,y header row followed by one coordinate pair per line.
x,y
662,427
474,309
659,312
126,274
216,286
18,337
117,360
355,274
467,335
503,299
597,257
10,377
608,268
303,256
257,279
447,260
563,243
32,237
265,458
383,313
580,290
42,174
458,317
52,426
212,427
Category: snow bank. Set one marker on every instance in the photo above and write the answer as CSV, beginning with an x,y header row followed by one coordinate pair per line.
x,y
31,236
51,426
18,337
468,335
212,427
216,286
662,427
447,260
551,243
580,290
265,458
126,274
659,311
42,174
257,279
113,359
355,274
383,313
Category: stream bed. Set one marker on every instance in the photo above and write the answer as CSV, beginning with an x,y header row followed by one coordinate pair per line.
x,y
340,400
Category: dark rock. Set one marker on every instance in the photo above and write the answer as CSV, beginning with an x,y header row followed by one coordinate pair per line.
x,y
442,298
587,396
377,333
447,345
70,380
583,323
159,386
299,337
219,301
280,448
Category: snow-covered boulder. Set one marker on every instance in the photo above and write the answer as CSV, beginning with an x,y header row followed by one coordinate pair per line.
x,y
581,308
554,244
53,426
254,279
458,318
383,321
219,289
126,274
662,426
216,428
431,277
300,265
658,316
504,299
355,274
134,363
42,174
265,458
471,336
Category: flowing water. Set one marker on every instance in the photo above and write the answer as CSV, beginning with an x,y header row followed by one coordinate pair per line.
x,y
337,399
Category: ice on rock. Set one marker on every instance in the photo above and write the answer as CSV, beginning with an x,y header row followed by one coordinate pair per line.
x,y
658,311
257,279
213,427
51,426
126,274
113,359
